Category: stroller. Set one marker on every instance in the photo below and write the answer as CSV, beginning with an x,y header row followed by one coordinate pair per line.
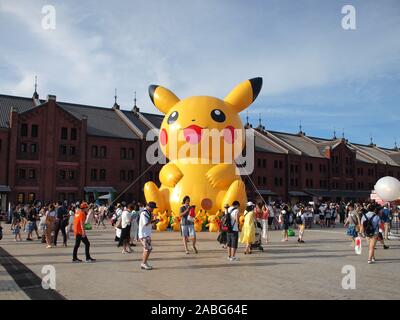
x,y
257,244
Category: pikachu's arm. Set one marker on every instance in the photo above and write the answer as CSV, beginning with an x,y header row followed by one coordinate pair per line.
x,y
170,175
221,175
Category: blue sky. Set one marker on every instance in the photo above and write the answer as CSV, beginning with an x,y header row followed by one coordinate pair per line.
x,y
314,71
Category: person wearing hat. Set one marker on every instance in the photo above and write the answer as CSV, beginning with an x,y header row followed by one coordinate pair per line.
x,y
248,234
144,232
80,234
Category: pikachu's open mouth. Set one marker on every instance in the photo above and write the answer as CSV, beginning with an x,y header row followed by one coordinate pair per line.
x,y
193,134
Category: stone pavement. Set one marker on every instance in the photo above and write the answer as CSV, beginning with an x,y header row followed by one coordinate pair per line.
x,y
9,290
289,270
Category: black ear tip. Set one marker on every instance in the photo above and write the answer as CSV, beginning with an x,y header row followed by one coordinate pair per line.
x,y
152,90
256,85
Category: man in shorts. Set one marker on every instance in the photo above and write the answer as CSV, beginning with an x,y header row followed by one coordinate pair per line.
x,y
187,224
232,235
145,229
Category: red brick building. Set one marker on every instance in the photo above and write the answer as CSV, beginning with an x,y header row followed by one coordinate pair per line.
x,y
51,150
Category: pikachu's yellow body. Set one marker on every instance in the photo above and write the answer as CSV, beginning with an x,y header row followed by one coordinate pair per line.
x,y
201,166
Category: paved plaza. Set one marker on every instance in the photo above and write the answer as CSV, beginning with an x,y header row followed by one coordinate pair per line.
x,y
283,271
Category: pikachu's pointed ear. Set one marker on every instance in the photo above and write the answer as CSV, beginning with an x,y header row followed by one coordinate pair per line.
x,y
244,94
162,98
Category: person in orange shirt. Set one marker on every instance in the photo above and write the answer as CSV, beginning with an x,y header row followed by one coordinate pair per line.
x,y
80,234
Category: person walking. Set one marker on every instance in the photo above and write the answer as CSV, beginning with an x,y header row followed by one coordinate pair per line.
x,y
126,218
232,236
225,226
145,229
80,234
248,233
187,224
352,223
102,216
262,215
16,228
134,226
50,220
301,223
370,228
286,221
386,221
31,223
61,223
70,226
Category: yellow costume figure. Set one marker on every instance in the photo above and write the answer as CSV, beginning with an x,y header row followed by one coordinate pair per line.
x,y
201,163
198,224
176,224
212,224
164,222
248,234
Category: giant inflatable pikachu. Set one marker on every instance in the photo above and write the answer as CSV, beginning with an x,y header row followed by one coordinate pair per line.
x,y
207,174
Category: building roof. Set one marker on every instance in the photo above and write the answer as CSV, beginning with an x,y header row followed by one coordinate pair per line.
x,y
298,141
134,118
7,102
262,144
102,122
155,119
378,154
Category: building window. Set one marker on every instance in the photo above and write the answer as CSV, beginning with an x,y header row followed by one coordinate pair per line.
x,y
307,184
264,181
122,175
61,196
33,148
34,131
21,174
296,182
103,152
95,151
276,182
296,168
306,166
259,180
102,174
311,167
63,150
74,134
24,147
291,182
72,150
131,153
123,153
31,197
63,174
280,164
21,197
24,130
259,163
264,163
93,174
64,133
130,175
32,174
276,164
71,175
291,168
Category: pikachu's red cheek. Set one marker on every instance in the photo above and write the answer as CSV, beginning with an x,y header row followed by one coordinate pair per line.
x,y
163,137
229,134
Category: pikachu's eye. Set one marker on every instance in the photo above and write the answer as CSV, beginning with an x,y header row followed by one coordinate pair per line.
x,y
218,115
173,117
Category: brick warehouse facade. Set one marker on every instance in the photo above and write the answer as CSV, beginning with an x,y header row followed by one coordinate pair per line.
x,y
51,150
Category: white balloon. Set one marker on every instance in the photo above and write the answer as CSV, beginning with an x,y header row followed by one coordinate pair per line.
x,y
388,188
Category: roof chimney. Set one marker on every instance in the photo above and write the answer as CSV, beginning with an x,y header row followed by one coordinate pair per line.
x,y
35,95
116,105
51,97
135,107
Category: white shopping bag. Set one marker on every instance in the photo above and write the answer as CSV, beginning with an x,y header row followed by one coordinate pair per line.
x,y
358,248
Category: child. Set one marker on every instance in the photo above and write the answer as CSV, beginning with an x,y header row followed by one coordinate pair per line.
x,y
16,229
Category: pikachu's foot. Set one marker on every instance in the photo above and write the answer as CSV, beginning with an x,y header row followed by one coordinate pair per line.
x,y
236,192
152,193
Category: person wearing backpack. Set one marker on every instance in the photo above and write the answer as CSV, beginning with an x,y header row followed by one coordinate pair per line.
x,y
286,221
370,228
301,224
225,226
232,236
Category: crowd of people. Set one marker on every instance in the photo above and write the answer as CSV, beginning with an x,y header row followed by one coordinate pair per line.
x,y
134,223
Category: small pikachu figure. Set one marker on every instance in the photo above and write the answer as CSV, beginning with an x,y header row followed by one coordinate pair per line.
x,y
164,221
212,225
176,223
198,224
198,167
